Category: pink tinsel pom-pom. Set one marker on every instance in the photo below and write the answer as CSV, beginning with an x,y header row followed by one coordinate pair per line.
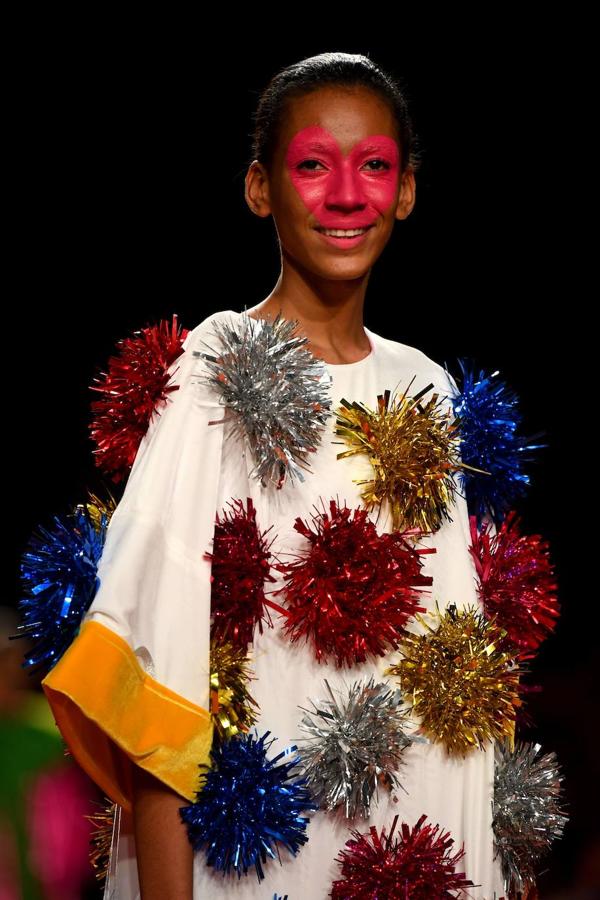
x,y
517,583
417,864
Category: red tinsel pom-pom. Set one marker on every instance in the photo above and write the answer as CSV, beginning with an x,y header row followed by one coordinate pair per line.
x,y
240,567
516,582
418,864
352,592
134,386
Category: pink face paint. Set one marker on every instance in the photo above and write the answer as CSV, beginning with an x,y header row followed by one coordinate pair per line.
x,y
343,191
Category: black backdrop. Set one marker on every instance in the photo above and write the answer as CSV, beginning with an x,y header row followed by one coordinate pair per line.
x,y
129,160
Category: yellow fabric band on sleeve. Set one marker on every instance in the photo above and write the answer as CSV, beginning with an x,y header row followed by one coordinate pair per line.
x,y
100,697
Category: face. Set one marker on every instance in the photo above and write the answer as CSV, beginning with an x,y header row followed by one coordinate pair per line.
x,y
335,188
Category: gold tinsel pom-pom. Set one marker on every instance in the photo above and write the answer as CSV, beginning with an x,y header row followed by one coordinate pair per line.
x,y
99,510
232,707
101,841
414,449
461,681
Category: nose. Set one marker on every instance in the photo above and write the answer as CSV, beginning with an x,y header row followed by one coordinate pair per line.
x,y
344,188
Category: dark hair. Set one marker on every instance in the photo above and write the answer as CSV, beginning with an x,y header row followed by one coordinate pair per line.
x,y
332,69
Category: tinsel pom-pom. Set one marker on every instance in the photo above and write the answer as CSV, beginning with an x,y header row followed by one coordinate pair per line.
x,y
248,805
352,592
516,581
276,393
354,745
413,447
59,578
460,679
135,387
105,823
232,707
528,813
491,443
419,864
98,510
240,566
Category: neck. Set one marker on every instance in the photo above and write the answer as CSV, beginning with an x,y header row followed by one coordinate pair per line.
x,y
330,314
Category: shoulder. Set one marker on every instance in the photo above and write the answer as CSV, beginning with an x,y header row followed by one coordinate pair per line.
x,y
205,329
408,360
200,338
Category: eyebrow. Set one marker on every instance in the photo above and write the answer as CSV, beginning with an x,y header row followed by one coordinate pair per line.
x,y
372,148
321,147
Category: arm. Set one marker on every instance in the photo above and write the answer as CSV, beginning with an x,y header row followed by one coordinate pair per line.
x,y
164,853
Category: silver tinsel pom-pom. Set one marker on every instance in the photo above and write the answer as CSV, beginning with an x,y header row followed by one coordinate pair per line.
x,y
527,813
276,391
355,743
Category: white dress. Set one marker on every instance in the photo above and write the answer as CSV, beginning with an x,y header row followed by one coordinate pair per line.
x,y
154,595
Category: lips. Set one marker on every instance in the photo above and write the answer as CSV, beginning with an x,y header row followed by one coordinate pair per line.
x,y
345,227
344,242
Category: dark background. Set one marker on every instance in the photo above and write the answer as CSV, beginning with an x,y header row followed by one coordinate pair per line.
x,y
129,160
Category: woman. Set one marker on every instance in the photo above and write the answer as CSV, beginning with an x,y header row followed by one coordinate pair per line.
x,y
334,164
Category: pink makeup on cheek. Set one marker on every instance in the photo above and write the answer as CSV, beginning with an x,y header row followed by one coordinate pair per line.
x,y
343,191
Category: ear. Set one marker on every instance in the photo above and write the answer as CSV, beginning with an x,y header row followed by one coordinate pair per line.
x,y
407,195
256,189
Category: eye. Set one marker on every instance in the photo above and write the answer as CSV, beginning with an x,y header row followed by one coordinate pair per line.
x,y
385,164
310,165
306,164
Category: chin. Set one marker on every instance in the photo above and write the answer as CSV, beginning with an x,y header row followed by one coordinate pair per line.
x,y
343,270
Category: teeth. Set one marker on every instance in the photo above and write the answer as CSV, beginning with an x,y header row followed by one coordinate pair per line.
x,y
338,232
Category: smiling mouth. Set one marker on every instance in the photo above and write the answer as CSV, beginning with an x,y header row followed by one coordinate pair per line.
x,y
343,232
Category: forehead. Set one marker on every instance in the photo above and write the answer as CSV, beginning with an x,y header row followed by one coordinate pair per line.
x,y
348,114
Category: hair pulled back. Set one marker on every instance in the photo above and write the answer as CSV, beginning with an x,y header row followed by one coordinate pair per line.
x,y
345,70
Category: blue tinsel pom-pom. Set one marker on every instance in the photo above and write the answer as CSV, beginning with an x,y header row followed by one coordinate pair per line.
x,y
490,418
248,805
58,574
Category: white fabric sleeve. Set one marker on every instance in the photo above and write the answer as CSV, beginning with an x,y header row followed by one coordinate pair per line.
x,y
154,582
133,686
